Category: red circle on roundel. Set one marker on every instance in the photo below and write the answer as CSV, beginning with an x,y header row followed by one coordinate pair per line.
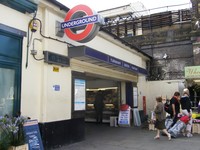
x,y
87,30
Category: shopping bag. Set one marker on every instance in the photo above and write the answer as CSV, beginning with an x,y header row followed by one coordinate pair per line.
x,y
177,128
168,123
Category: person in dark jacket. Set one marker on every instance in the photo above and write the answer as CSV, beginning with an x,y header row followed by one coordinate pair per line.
x,y
187,110
99,106
175,102
160,118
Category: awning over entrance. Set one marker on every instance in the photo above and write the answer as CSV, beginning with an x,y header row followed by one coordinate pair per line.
x,y
89,55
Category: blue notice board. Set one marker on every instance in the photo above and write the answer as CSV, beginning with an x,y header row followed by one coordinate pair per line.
x,y
32,135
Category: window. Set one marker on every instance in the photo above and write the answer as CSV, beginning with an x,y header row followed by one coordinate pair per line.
x,y
7,83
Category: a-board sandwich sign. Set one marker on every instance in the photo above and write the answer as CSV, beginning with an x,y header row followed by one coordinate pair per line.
x,y
32,135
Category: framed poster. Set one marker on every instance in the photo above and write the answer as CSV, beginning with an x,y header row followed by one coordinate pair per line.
x,y
79,94
135,97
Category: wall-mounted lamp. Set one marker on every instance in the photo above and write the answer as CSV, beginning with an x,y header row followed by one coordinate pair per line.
x,y
197,25
165,56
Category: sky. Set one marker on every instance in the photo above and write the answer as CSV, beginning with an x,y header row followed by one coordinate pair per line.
x,y
107,4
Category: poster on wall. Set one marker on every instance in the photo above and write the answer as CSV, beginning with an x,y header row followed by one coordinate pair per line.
x,y
79,94
135,97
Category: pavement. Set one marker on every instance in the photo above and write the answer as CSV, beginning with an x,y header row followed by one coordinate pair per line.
x,y
104,137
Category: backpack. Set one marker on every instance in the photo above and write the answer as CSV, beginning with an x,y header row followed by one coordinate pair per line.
x,y
168,107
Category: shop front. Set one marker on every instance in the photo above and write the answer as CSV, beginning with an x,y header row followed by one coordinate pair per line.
x,y
110,91
192,76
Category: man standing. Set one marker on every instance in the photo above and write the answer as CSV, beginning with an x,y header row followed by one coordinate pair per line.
x,y
99,106
175,102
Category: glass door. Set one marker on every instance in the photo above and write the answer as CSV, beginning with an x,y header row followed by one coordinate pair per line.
x,y
7,91
7,82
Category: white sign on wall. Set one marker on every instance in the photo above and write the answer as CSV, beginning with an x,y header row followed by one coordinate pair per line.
x,y
135,97
79,94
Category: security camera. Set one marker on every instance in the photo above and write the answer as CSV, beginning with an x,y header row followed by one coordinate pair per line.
x,y
165,56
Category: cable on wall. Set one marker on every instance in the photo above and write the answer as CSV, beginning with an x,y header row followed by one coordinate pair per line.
x,y
48,37
29,40
34,29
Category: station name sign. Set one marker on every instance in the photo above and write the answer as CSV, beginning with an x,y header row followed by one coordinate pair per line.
x,y
114,61
82,24
122,63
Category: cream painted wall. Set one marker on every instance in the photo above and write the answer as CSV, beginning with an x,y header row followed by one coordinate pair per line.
x,y
13,18
142,88
49,30
101,71
55,105
58,103
152,89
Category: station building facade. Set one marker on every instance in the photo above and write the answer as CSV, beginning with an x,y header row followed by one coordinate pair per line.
x,y
48,77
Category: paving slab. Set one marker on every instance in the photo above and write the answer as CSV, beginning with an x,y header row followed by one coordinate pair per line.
x,y
104,137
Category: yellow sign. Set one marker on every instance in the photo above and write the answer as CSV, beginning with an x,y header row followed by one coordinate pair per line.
x,y
192,72
56,69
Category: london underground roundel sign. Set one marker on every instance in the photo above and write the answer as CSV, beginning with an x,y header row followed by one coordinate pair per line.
x,y
81,24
